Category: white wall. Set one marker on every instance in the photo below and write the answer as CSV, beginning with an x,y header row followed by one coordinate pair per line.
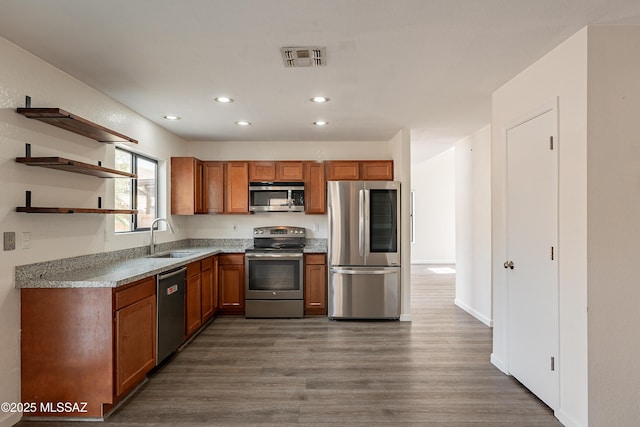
x,y
433,181
613,184
56,236
473,224
400,146
562,73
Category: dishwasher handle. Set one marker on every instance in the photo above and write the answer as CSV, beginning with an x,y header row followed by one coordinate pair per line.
x,y
169,274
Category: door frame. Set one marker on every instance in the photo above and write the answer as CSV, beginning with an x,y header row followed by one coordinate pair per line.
x,y
503,365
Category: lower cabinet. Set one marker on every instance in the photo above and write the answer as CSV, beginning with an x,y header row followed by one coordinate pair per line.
x,y
209,278
315,284
231,283
90,345
135,334
193,299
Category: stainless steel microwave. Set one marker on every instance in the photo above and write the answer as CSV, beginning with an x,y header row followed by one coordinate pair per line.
x,y
276,197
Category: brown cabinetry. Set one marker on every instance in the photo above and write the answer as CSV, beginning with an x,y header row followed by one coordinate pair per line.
x,y
315,191
135,334
315,284
362,170
342,170
213,187
289,171
186,186
231,283
237,187
209,279
284,171
193,299
90,345
376,170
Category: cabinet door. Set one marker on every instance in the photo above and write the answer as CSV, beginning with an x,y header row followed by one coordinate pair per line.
x,y
237,187
213,187
342,170
135,343
315,284
193,304
376,170
262,171
315,191
186,186
207,289
231,283
215,285
289,171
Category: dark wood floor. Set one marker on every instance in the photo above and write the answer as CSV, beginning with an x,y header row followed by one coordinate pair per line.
x,y
433,371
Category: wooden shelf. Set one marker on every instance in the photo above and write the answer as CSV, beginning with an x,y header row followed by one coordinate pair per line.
x,y
74,166
65,120
75,210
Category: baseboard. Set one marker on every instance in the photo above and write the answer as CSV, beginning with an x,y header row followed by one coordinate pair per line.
x,y
11,419
474,313
498,363
566,419
405,318
433,261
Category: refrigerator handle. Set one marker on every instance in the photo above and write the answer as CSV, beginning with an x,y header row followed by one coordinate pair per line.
x,y
361,201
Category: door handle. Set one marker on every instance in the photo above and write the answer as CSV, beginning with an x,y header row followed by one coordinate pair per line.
x,y
508,264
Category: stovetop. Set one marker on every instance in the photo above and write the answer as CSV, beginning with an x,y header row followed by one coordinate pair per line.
x,y
278,239
274,250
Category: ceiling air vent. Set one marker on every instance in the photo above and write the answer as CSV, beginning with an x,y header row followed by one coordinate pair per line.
x,y
304,56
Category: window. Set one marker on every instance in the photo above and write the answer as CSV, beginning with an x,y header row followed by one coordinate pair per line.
x,y
140,193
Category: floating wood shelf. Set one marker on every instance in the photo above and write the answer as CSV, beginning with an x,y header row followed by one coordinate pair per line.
x,y
74,166
75,210
56,210
76,124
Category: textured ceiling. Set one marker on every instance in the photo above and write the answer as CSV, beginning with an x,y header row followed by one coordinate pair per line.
x,y
425,65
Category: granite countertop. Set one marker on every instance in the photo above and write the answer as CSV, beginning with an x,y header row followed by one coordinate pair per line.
x,y
113,269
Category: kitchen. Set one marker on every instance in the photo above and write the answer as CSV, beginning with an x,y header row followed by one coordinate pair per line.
x,y
54,237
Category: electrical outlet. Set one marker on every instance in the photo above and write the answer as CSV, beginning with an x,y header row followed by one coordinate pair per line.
x,y
235,227
26,240
316,227
9,240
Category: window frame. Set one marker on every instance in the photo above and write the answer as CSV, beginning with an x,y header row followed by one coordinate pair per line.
x,y
134,189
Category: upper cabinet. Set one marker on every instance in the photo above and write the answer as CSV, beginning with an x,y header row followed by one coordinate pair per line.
x,y
376,170
363,170
213,187
186,186
237,187
285,171
315,191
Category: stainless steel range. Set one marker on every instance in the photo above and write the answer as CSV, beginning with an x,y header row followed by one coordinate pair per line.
x,y
274,273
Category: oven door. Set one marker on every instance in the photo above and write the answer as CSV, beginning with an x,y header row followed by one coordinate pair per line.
x,y
274,276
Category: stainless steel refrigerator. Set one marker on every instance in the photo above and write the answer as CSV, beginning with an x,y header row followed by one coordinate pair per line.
x,y
364,249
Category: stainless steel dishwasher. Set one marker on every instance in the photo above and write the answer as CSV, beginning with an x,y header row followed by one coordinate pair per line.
x,y
170,312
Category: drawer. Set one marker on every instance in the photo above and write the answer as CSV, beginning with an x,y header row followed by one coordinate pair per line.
x,y
193,268
207,263
235,259
135,292
314,259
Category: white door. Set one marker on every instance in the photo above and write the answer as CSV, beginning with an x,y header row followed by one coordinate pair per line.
x,y
531,265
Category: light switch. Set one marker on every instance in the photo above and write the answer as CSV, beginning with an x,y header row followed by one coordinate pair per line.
x,y
9,240
26,240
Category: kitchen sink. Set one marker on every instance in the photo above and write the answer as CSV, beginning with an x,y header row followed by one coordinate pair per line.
x,y
173,254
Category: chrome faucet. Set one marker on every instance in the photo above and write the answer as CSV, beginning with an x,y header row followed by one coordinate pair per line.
x,y
152,245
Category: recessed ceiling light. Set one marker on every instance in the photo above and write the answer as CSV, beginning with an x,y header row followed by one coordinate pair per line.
x,y
243,123
320,123
223,99
172,117
319,99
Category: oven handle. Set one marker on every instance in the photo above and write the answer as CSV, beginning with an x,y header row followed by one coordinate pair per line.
x,y
254,256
